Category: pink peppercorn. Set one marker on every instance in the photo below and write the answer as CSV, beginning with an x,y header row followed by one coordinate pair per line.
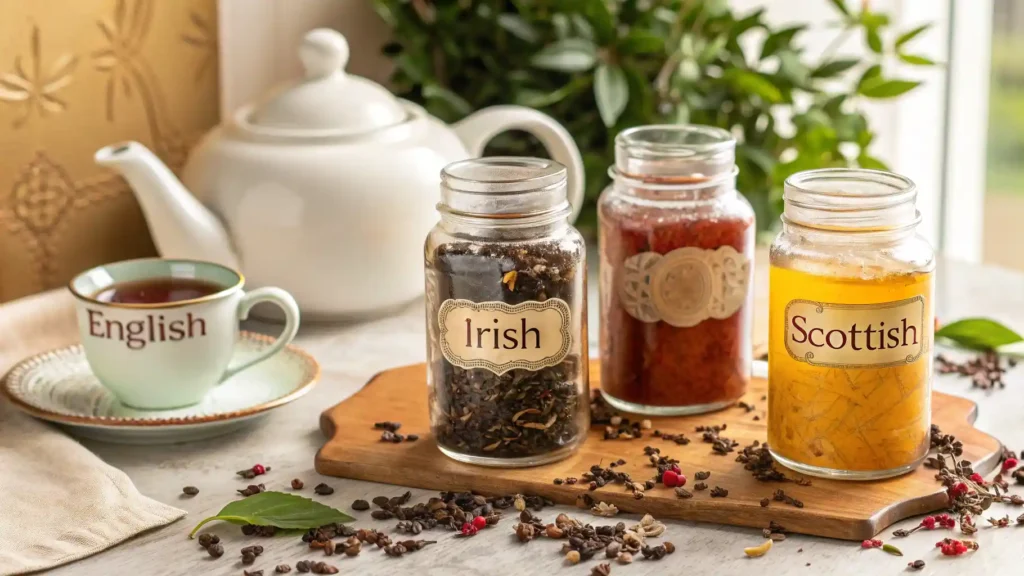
x,y
675,468
258,469
928,522
671,479
1009,464
958,489
867,544
479,522
977,478
468,529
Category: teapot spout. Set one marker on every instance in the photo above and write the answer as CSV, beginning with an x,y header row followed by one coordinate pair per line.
x,y
180,225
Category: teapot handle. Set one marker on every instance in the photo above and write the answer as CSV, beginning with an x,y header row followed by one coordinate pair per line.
x,y
479,128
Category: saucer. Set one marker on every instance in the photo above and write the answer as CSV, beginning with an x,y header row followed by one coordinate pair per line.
x,y
59,387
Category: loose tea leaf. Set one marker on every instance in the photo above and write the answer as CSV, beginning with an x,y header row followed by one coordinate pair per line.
x,y
279,510
978,334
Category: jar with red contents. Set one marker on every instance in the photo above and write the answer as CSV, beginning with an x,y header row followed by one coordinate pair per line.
x,y
677,249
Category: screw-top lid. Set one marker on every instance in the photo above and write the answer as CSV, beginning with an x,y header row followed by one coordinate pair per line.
x,y
327,100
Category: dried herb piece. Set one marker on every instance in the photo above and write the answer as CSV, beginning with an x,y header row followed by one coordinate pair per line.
x,y
683,493
283,569
719,492
916,565
986,370
522,412
360,505
759,461
277,509
215,550
700,486
702,475
252,489
190,490
389,426
765,502
323,489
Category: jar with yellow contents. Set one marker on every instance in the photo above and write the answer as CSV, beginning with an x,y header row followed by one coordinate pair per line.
x,y
850,327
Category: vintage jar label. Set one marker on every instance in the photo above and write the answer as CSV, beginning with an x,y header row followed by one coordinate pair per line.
x,y
857,335
686,286
499,337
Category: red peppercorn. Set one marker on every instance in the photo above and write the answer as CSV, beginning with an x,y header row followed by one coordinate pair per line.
x,y
671,479
977,479
1009,464
479,522
468,529
867,544
958,489
928,522
675,468
876,543
258,469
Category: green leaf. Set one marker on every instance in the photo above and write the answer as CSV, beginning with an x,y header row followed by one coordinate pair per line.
x,y
778,40
872,72
277,509
874,40
569,55
891,550
834,68
611,92
840,5
518,27
712,49
908,36
879,87
458,103
916,60
600,19
871,163
748,22
978,334
640,41
747,81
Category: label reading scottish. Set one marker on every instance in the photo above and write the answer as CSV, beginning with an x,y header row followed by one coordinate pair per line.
x,y
856,335
499,337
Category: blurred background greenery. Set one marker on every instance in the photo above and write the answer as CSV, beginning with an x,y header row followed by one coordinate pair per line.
x,y
601,66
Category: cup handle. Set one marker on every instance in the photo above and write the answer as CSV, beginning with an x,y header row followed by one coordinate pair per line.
x,y
283,300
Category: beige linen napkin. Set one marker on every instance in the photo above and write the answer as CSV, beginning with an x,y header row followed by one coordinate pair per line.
x,y
58,501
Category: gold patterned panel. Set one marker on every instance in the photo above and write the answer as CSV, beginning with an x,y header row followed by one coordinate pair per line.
x,y
76,75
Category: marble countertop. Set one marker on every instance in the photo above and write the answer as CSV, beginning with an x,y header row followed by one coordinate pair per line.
x,y
350,355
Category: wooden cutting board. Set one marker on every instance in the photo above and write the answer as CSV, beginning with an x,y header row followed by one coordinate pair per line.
x,y
835,509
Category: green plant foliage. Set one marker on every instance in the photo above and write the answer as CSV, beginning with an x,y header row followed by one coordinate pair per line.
x,y
601,66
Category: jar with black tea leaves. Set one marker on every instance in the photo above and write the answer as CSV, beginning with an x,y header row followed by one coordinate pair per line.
x,y
506,315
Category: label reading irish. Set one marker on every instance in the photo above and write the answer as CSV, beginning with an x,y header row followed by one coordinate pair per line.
x,y
856,335
499,337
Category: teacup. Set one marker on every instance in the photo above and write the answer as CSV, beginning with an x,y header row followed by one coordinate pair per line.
x,y
161,333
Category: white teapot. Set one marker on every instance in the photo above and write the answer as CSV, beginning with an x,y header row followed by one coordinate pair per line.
x,y
326,188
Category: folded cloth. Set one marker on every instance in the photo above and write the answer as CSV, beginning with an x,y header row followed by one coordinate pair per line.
x,y
58,501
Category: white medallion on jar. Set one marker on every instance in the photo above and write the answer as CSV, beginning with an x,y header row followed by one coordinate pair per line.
x,y
686,286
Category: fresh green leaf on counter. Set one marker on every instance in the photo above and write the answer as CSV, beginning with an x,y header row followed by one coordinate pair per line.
x,y
277,509
978,334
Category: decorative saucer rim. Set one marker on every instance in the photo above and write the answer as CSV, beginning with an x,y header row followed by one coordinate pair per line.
x,y
310,376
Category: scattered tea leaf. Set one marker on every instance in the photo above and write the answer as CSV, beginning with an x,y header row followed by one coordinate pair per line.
x,y
279,510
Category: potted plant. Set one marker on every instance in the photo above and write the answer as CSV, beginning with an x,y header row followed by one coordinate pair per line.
x,y
600,66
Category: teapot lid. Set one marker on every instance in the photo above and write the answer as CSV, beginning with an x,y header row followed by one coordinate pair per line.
x,y
327,99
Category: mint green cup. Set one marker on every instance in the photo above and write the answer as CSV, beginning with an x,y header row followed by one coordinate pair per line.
x,y
158,356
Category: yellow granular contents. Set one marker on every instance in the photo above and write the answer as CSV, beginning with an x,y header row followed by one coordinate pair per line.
x,y
861,419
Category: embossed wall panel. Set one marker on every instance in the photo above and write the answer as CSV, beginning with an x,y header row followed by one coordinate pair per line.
x,y
76,75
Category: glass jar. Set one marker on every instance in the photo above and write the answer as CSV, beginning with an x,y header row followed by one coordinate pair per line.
x,y
506,315
677,246
850,327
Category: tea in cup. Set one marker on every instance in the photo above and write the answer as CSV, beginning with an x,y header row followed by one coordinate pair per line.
x,y
161,333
